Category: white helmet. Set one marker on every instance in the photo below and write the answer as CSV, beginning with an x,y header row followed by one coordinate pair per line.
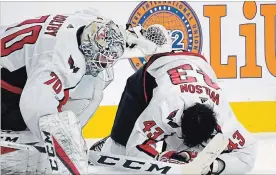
x,y
102,43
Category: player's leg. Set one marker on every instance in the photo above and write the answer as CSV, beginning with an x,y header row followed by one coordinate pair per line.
x,y
11,118
59,130
132,104
11,87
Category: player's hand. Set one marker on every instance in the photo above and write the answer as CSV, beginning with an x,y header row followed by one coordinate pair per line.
x,y
182,157
215,168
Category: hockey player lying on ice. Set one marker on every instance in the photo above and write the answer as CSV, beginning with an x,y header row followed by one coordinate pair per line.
x,y
46,62
175,98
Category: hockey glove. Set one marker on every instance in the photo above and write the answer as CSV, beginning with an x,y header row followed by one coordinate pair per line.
x,y
182,157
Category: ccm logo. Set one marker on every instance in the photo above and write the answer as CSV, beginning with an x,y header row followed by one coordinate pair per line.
x,y
132,164
9,139
50,150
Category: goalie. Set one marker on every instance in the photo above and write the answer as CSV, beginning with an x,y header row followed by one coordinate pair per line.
x,y
54,70
175,98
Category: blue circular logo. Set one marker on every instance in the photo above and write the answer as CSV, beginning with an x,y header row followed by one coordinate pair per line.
x,y
177,17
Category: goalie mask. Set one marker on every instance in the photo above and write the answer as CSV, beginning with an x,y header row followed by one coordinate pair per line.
x,y
102,43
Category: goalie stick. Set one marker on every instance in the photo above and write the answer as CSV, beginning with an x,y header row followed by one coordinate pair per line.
x,y
204,159
19,146
102,159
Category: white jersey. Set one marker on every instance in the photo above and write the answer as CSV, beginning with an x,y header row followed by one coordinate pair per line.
x,y
47,46
184,79
57,90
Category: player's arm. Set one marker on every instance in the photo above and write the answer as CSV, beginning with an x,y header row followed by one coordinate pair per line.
x,y
86,97
145,134
241,152
154,125
59,130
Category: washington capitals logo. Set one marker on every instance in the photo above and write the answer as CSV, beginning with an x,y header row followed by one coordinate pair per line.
x,y
171,122
72,66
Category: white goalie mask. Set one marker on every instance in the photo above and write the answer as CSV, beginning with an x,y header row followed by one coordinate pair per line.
x,y
102,43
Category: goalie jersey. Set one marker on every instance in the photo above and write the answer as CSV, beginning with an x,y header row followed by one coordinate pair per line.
x,y
184,79
49,68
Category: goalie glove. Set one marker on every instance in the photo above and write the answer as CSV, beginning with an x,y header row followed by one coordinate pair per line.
x,y
142,42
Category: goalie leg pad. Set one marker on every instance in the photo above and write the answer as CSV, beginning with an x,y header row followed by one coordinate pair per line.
x,y
16,161
62,136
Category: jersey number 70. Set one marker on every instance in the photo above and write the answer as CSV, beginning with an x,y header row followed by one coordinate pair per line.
x,y
18,39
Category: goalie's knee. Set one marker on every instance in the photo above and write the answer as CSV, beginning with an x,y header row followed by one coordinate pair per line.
x,y
65,119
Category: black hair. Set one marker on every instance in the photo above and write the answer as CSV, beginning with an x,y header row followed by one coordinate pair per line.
x,y
197,124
